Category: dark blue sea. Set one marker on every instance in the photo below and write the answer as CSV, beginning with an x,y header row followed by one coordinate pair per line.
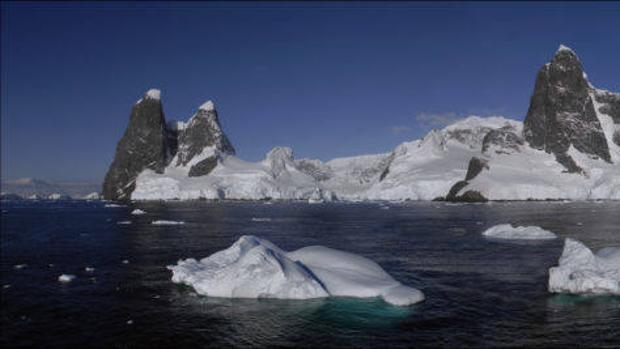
x,y
479,292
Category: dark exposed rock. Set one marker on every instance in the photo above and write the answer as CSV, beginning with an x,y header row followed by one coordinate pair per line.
x,y
561,111
502,141
476,165
386,166
471,196
143,146
456,188
204,167
201,131
150,143
610,104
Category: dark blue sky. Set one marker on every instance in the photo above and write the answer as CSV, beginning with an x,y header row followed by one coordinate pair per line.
x,y
327,79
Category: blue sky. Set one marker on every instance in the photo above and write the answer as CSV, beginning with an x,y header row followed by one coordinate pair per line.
x,y
327,79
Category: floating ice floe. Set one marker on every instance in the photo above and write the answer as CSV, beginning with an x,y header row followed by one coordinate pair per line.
x,y
580,271
507,231
261,219
89,269
66,278
138,211
113,205
256,268
20,266
123,222
165,222
125,261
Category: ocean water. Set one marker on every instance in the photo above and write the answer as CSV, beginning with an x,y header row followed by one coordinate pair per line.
x,y
480,292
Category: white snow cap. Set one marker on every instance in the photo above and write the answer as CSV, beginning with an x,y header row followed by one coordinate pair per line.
x,y
207,106
565,48
153,94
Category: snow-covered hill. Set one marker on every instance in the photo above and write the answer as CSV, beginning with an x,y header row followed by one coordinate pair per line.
x,y
567,148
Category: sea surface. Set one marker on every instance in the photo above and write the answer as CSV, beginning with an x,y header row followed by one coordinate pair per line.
x,y
479,292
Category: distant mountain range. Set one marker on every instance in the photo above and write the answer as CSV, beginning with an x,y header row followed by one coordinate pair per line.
x,y
41,189
568,147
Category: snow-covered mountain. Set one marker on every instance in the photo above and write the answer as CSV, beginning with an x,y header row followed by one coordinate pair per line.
x,y
31,188
571,148
567,148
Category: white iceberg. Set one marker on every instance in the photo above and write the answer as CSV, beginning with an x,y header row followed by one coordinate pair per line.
x,y
582,272
507,231
256,268
165,222
137,212
66,278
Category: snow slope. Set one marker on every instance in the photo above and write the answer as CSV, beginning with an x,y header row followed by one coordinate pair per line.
x,y
256,268
418,170
580,271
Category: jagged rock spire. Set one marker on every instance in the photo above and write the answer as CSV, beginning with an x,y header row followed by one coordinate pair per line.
x,y
562,113
143,146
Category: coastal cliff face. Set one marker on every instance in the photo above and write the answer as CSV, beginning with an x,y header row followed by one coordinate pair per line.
x,y
568,147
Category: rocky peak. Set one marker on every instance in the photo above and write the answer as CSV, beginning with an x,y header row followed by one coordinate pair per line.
x,y
201,131
143,146
151,143
562,113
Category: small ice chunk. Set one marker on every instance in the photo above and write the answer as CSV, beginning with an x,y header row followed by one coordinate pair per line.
x,y
89,269
6,286
138,211
256,268
123,222
129,322
507,231
113,205
66,278
20,266
125,261
261,219
580,271
165,222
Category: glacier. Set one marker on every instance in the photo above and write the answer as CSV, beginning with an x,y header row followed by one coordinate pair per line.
x,y
256,268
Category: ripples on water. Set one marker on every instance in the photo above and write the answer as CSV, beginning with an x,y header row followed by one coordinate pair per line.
x,y
479,292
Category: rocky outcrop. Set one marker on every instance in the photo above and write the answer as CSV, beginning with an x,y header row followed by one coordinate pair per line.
x,y
476,165
609,103
143,146
562,113
150,143
200,132
502,141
